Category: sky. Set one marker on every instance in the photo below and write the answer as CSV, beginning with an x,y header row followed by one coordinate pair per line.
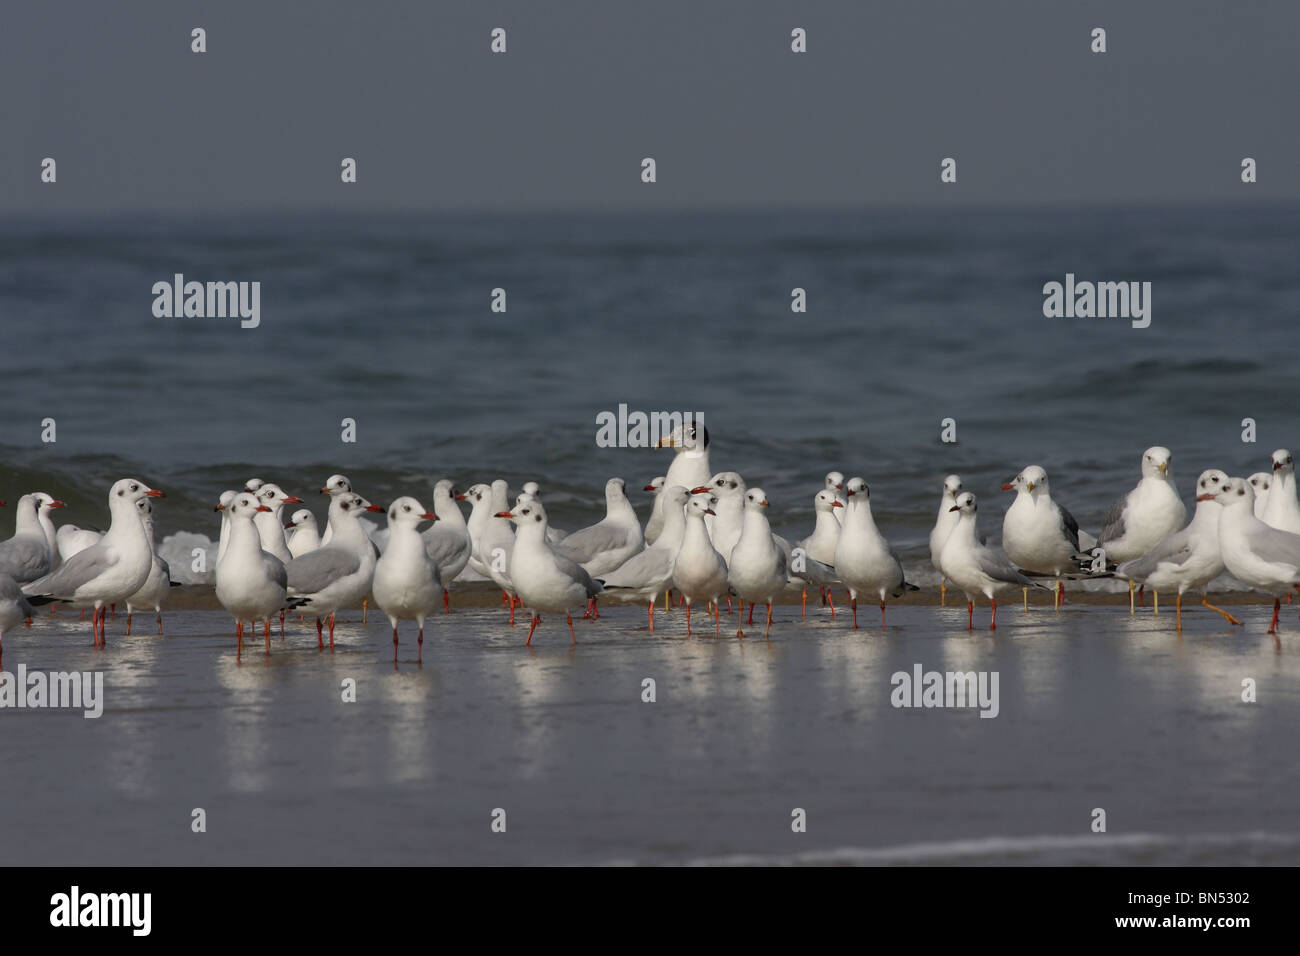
x,y
709,88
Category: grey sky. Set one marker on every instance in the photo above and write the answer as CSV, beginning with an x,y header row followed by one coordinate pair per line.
x,y
710,89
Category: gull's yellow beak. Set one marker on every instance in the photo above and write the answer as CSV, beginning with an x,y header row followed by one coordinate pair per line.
x,y
666,443
1164,467
1029,485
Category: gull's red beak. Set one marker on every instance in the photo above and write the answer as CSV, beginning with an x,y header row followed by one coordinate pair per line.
x,y
217,508
648,488
375,508
263,508
504,514
702,490
710,511
1205,497
290,525
292,500
1277,465
955,508
1008,486
324,491
461,496
837,503
155,493
55,504
429,516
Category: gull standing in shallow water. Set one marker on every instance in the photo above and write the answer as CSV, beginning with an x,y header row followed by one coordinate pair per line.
x,y
251,584
1145,516
977,568
112,569
407,586
863,558
815,562
756,570
699,571
604,546
649,573
944,522
158,585
1189,559
1257,554
1282,510
447,541
339,574
545,580
1039,535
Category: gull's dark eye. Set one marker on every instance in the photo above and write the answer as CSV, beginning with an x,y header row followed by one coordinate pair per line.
x,y
1241,491
406,507
538,518
346,506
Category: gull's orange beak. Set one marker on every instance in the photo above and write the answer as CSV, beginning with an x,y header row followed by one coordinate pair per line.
x,y
702,490
292,500
1205,497
375,508
763,503
461,496
324,491
504,514
55,504
1008,486
710,511
837,503
155,493
429,516
263,508
219,508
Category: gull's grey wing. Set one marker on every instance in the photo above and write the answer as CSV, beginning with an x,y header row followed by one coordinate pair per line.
x,y
82,567
276,569
573,569
815,572
1175,549
999,567
582,546
1113,528
24,558
643,566
316,570
10,591
1069,527
1274,545
781,562
444,547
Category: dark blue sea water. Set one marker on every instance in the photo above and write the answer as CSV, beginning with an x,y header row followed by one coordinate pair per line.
x,y
913,316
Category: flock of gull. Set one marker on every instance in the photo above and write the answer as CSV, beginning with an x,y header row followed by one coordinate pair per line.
x,y
707,540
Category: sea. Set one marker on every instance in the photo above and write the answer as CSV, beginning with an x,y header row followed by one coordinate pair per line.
x,y
923,350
